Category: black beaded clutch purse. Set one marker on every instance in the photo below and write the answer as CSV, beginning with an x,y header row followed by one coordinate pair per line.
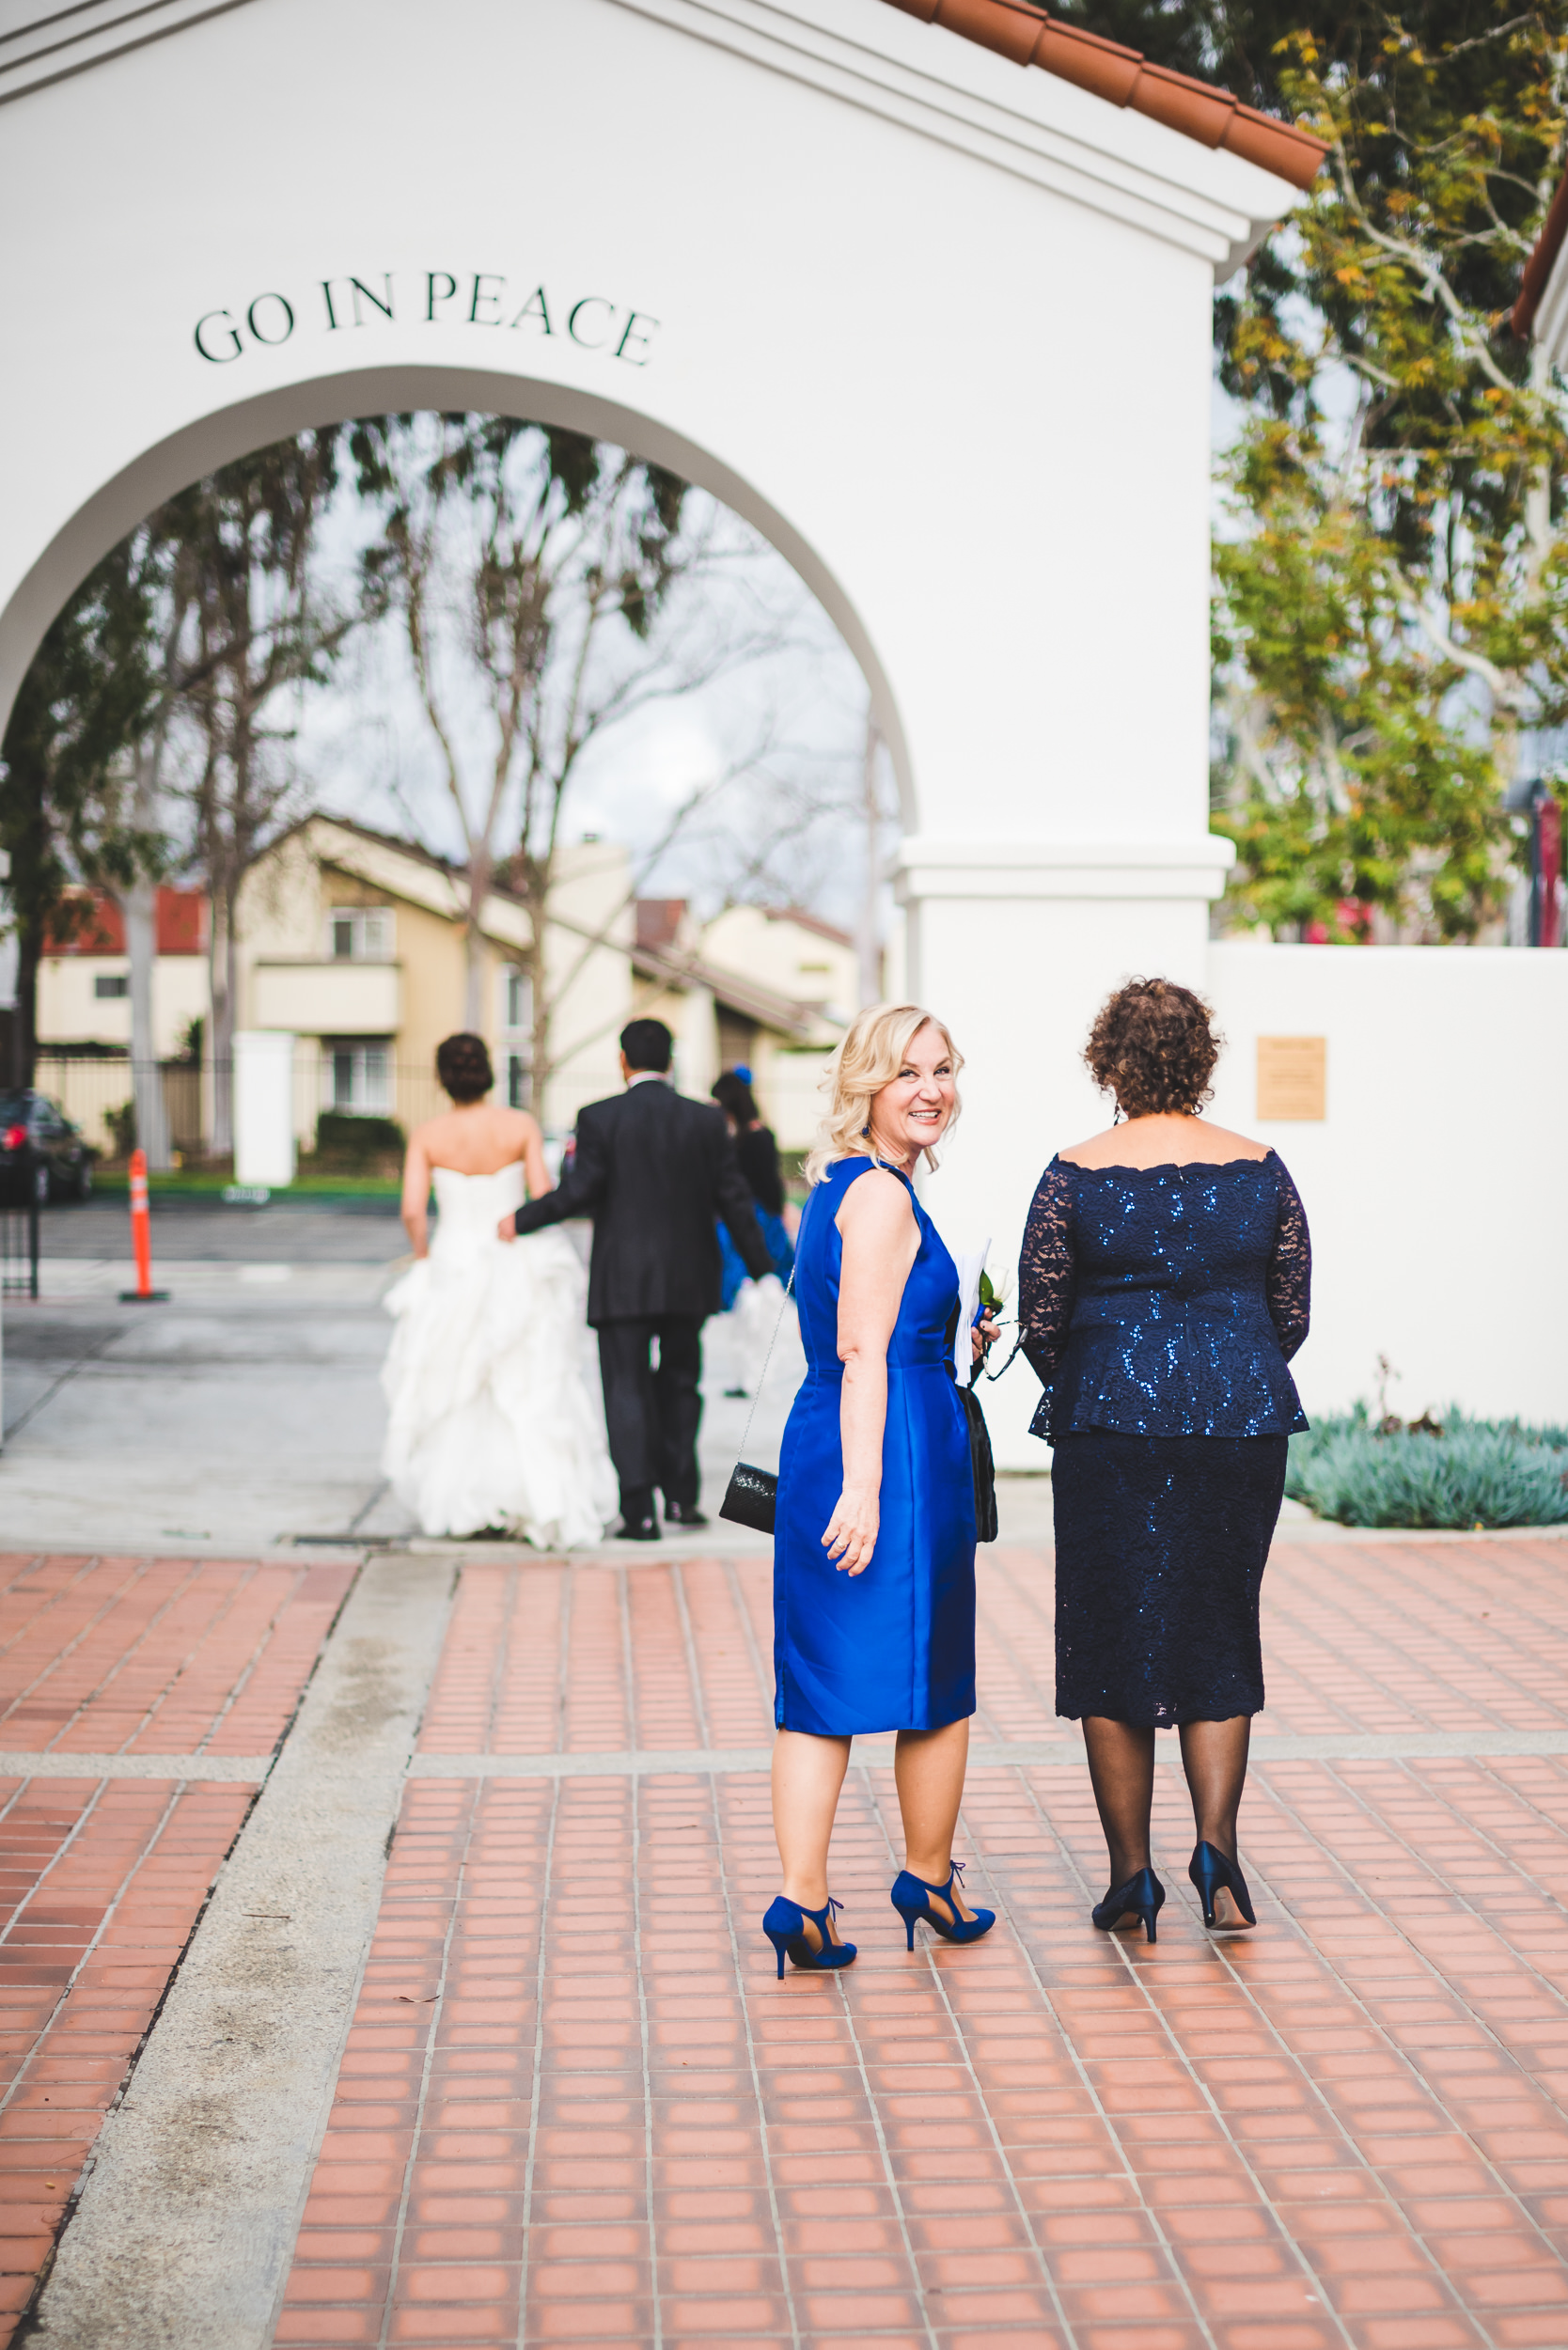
x,y
752,1495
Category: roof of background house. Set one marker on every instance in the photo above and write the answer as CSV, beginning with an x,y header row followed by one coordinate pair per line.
x,y
809,922
179,924
1028,36
659,920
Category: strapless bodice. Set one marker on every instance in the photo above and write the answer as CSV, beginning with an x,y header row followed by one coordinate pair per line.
x,y
471,1206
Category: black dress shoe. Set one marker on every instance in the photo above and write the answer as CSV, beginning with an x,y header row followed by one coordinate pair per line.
x,y
683,1513
637,1530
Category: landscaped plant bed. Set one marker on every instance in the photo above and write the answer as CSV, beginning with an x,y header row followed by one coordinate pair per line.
x,y
1456,1472
206,1183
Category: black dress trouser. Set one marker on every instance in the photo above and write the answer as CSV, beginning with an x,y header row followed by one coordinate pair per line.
x,y
652,1416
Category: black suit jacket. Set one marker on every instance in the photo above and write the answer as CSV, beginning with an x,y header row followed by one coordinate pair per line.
x,y
653,1170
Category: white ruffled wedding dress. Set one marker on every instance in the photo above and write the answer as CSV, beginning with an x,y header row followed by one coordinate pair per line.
x,y
496,1415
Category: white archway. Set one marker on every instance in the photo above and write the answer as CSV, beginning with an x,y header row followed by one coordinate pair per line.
x,y
937,326
236,431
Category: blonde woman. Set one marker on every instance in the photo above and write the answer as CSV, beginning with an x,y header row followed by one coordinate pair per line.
x,y
874,1541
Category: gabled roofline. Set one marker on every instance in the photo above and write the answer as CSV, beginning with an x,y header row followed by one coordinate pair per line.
x,y
1027,36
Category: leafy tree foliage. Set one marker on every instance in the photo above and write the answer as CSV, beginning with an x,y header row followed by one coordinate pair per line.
x,y
65,814
1392,586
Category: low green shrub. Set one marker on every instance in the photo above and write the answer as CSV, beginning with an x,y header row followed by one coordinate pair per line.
x,y
1458,1472
347,1140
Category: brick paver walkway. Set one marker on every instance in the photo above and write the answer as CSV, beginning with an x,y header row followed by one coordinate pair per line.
x,y
102,1880
575,2105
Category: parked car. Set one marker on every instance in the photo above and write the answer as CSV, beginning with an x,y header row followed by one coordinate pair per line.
x,y
42,1155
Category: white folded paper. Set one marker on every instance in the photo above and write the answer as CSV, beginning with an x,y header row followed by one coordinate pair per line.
x,y
971,1264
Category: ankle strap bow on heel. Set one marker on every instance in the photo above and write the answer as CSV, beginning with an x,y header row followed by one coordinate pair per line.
x,y
912,1898
1142,1896
1212,1873
785,1927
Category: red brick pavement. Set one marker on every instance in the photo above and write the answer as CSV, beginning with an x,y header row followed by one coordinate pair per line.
x,y
102,1880
575,2105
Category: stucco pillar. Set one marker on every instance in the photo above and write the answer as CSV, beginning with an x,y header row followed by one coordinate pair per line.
x,y
1016,944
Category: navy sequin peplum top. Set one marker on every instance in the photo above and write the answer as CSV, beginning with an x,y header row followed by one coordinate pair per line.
x,y
1166,1301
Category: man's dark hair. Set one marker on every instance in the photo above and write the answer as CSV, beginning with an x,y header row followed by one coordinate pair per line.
x,y
646,1044
462,1065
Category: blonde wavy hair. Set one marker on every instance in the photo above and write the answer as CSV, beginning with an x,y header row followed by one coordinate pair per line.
x,y
870,1057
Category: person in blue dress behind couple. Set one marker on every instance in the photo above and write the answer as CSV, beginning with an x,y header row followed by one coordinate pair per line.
x,y
875,1535
756,1155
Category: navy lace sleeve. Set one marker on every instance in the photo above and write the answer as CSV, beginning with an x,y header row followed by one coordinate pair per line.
x,y
1047,1273
1288,1281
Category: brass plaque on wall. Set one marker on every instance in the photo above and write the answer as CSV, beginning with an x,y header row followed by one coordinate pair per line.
x,y
1293,1076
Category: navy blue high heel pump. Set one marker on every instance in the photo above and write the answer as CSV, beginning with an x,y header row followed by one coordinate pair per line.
x,y
1142,1896
1212,1873
912,1897
785,1927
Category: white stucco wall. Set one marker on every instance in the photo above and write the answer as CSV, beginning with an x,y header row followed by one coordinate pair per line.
x,y
1434,1186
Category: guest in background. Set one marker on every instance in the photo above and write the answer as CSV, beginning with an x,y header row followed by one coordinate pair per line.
x,y
1163,1288
874,1543
653,1170
756,1155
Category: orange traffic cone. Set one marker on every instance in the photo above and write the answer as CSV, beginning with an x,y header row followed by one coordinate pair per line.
x,y
141,1239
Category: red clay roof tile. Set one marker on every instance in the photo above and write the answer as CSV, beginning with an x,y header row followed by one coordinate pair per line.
x,y
1027,36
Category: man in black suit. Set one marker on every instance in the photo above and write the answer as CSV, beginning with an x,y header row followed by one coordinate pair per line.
x,y
653,1170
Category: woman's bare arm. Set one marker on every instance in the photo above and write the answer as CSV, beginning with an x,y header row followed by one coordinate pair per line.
x,y
535,1173
881,1242
417,1192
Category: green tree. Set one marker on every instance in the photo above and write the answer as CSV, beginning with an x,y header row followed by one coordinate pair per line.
x,y
540,578
1391,607
249,619
65,811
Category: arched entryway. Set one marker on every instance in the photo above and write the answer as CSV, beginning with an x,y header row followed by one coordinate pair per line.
x,y
937,326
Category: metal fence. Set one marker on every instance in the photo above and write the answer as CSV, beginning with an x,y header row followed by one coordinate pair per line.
x,y
353,1088
19,1251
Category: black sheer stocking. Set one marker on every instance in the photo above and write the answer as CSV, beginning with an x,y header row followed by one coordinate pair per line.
x,y
1122,1766
1214,1756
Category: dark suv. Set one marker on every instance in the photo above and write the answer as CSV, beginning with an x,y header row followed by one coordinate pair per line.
x,y
42,1155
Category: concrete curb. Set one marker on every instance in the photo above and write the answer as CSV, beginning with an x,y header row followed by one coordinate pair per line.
x,y
186,2226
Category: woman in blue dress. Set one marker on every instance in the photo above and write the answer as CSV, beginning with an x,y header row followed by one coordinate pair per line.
x,y
874,1536
1164,1286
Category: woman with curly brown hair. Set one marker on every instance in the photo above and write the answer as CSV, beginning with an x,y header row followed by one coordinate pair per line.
x,y
1164,1287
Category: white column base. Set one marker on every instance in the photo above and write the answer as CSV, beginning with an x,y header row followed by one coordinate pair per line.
x,y
264,1107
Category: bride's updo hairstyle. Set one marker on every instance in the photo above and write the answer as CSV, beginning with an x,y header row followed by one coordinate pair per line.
x,y
1153,1045
462,1065
870,1057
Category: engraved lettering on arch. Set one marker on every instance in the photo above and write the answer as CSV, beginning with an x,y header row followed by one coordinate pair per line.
x,y
455,299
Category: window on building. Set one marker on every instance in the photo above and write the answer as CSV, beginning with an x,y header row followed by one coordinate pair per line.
x,y
361,934
520,1082
356,1076
517,1005
107,985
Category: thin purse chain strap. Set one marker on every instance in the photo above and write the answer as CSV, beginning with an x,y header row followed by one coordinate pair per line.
x,y
767,1360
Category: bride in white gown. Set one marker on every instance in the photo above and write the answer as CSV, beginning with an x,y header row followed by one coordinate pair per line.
x,y
496,1417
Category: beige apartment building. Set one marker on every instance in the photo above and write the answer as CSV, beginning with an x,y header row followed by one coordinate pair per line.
x,y
352,942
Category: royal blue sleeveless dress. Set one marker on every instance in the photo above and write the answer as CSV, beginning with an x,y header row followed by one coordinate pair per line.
x,y
893,1648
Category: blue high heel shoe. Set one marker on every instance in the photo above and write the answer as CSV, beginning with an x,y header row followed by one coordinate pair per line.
x,y
1142,1896
1212,1873
912,1897
785,1927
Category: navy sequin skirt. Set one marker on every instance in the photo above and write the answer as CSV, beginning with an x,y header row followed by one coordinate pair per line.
x,y
1161,1545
